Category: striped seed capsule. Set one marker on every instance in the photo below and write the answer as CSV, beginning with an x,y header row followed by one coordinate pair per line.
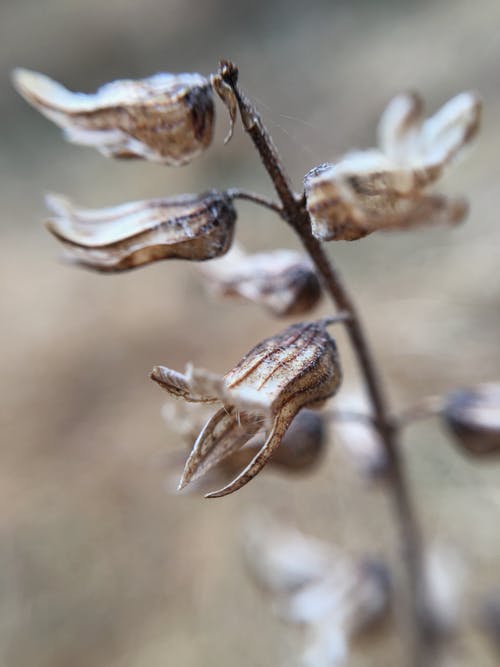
x,y
165,118
295,369
118,238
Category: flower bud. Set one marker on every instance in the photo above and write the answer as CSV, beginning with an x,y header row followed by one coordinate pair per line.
x,y
165,118
194,227
473,417
283,281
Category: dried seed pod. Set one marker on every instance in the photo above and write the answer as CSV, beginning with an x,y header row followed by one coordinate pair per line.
x,y
165,118
272,383
473,417
385,188
283,281
118,238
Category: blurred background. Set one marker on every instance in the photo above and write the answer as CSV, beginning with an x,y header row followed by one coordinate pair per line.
x,y
99,563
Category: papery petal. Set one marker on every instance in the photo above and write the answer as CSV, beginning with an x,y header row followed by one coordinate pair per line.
x,y
279,427
194,386
165,118
299,366
195,227
283,281
225,432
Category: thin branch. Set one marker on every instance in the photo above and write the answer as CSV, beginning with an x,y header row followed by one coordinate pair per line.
x,y
296,215
238,193
425,408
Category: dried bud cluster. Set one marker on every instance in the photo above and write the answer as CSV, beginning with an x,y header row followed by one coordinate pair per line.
x,y
165,118
195,227
334,596
473,417
272,383
387,187
283,281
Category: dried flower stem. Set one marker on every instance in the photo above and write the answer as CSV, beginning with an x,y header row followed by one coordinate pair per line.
x,y
238,193
296,215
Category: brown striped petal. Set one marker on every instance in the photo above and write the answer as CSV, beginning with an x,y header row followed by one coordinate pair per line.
x,y
194,227
165,118
385,188
283,281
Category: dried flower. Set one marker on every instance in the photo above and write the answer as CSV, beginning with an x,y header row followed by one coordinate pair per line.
x,y
267,388
473,417
195,227
335,596
386,188
165,118
283,281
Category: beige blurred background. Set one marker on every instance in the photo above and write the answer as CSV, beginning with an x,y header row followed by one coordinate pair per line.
x,y
99,564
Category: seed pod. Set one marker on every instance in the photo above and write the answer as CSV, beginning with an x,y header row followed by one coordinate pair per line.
x,y
272,383
165,118
283,281
473,417
385,188
194,227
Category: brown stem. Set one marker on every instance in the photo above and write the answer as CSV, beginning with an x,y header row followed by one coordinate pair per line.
x,y
295,213
238,193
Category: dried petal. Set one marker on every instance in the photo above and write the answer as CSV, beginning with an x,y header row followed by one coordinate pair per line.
x,y
273,382
473,417
283,281
382,189
165,118
303,444
195,227
227,96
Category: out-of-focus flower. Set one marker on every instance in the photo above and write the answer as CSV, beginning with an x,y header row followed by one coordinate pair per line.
x,y
316,585
387,188
165,118
194,227
295,369
283,281
473,417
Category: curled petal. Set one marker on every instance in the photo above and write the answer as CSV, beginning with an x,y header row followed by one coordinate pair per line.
x,y
195,386
165,118
195,227
279,427
283,281
226,432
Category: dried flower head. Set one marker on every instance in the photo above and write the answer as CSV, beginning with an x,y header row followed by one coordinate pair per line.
x,y
165,118
334,596
386,188
118,238
267,388
283,281
473,417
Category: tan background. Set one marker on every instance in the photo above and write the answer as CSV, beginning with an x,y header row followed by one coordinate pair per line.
x,y
99,564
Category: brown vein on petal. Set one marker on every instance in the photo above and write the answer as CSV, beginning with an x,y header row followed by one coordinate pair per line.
x,y
293,355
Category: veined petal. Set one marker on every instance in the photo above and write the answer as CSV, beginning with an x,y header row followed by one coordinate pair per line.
x,y
164,118
196,227
283,281
195,386
281,422
226,431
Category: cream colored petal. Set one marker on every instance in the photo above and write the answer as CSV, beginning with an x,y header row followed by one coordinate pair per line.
x,y
189,385
279,427
399,125
225,432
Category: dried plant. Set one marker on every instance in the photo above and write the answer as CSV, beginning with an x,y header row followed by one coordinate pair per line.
x,y
265,400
